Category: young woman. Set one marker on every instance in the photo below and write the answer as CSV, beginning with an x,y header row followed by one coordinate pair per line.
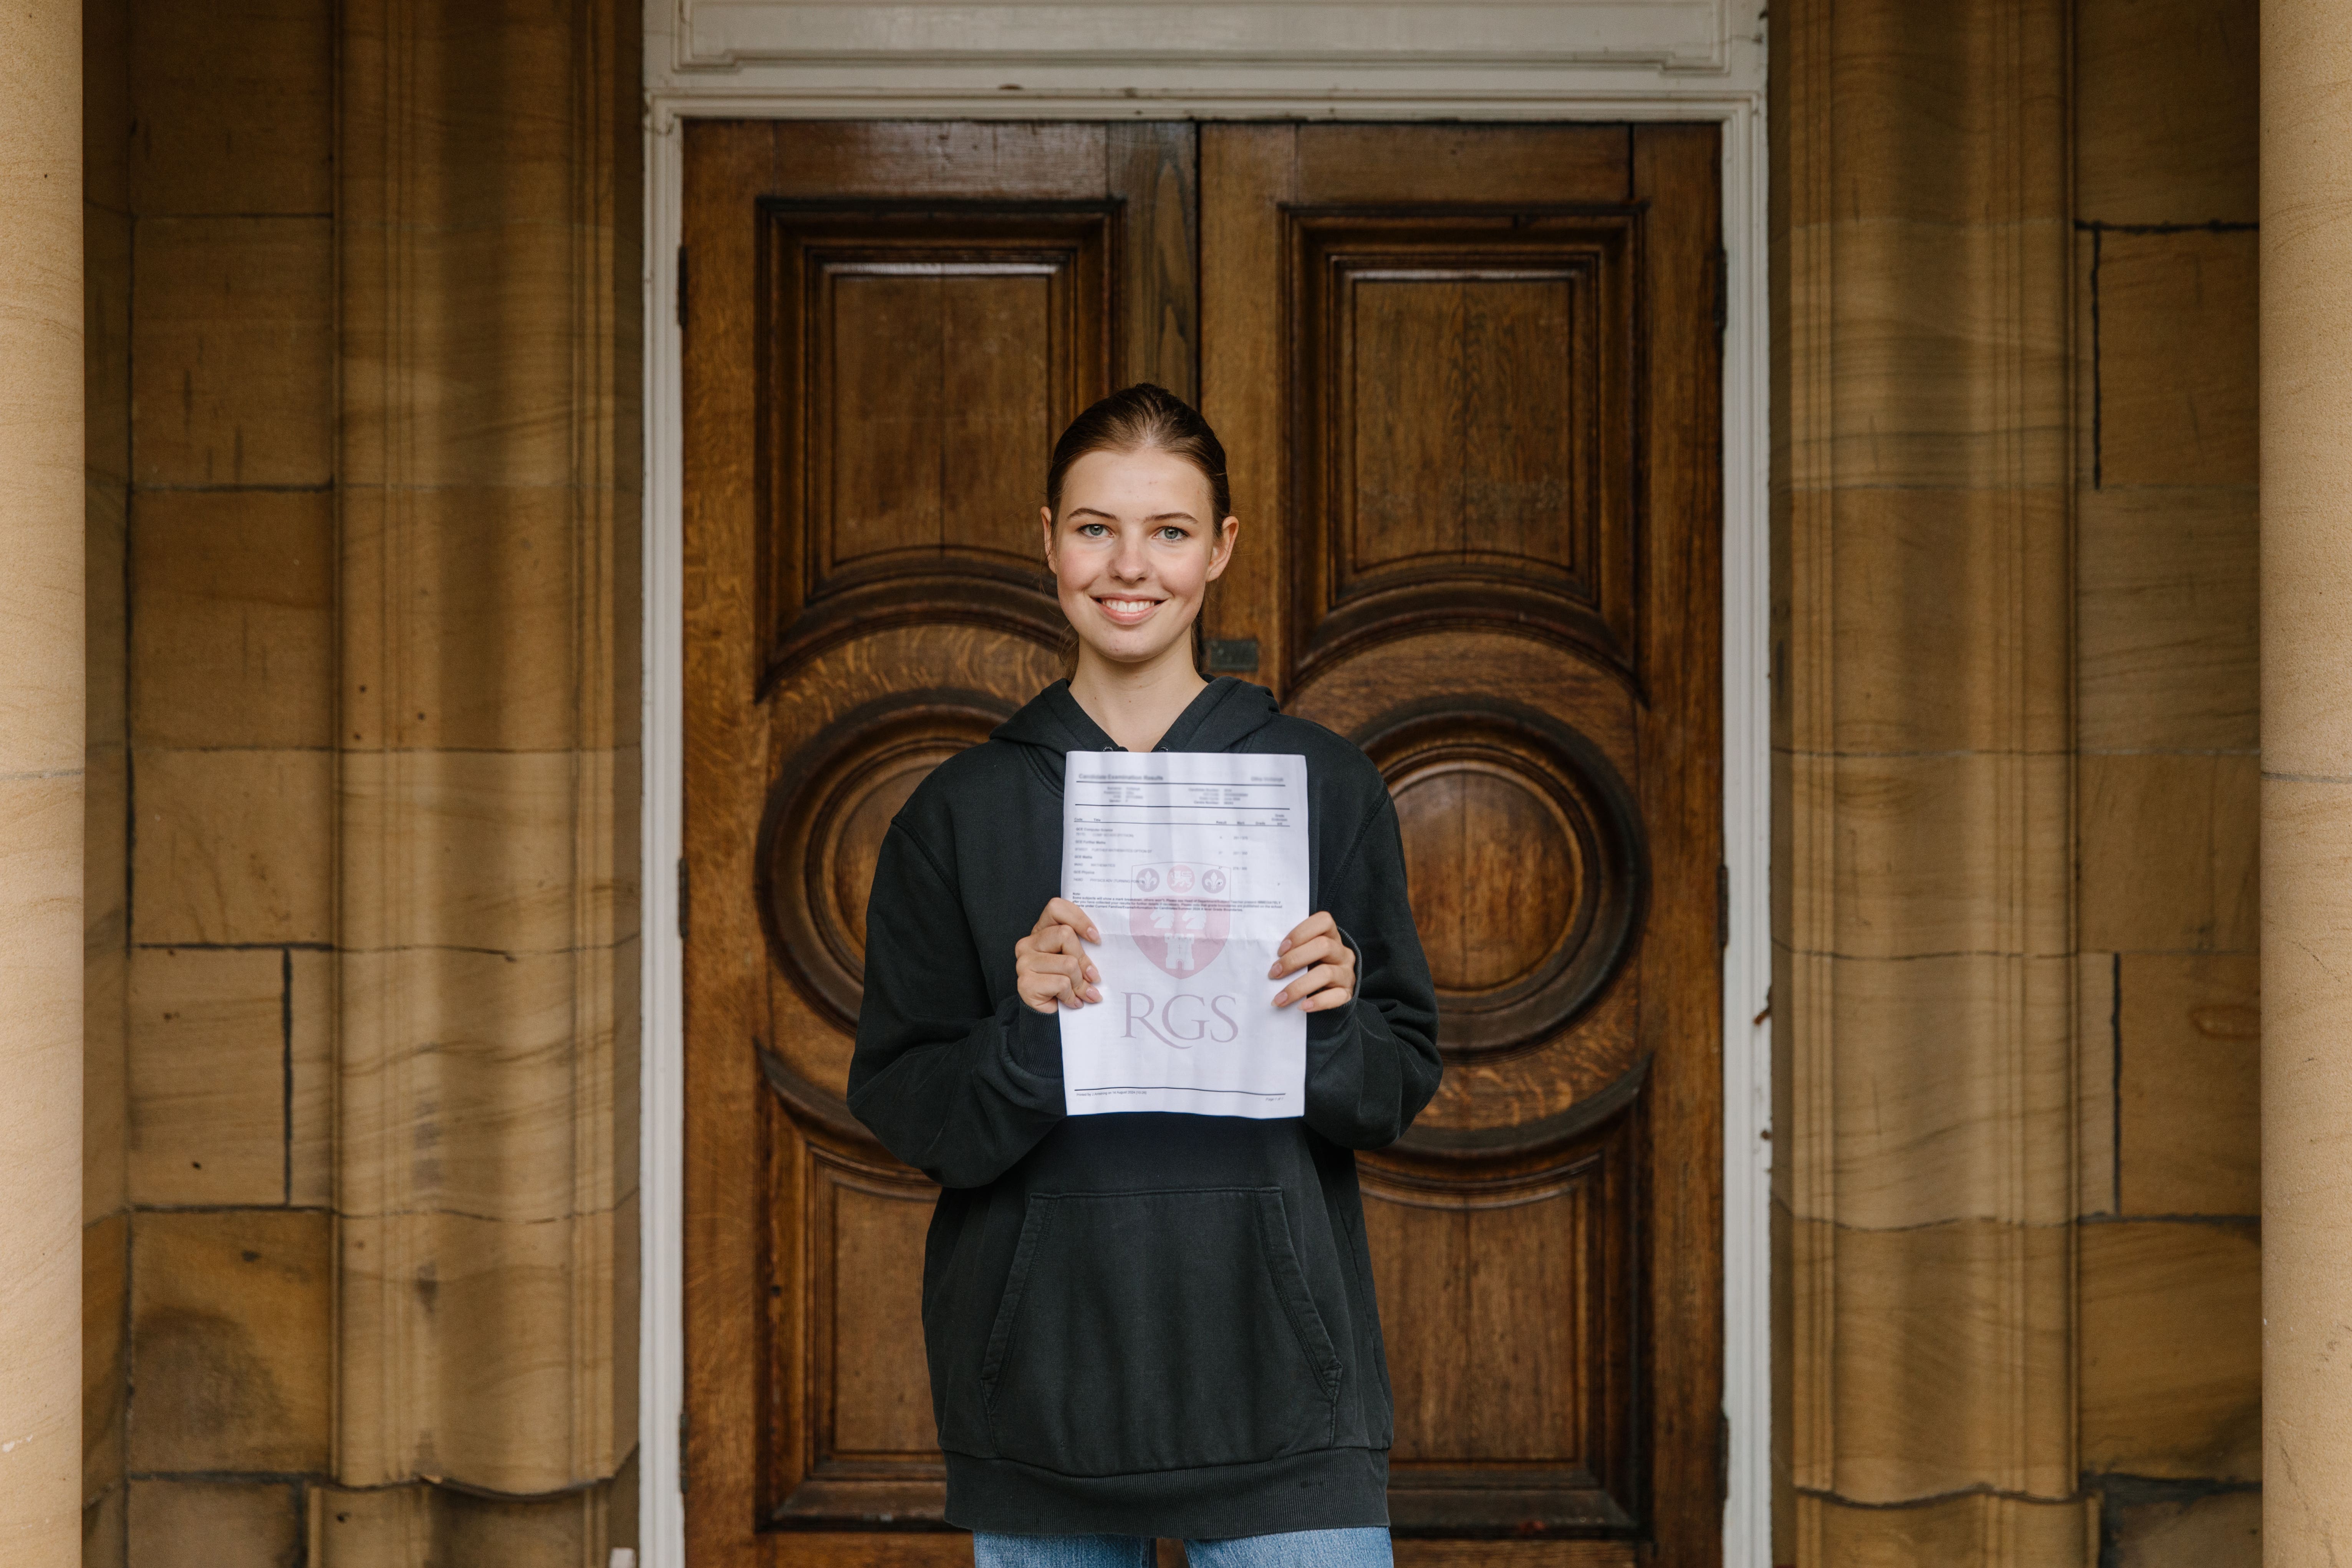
x,y
1140,1325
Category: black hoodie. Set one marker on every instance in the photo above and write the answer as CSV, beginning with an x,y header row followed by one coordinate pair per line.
x,y
1138,1324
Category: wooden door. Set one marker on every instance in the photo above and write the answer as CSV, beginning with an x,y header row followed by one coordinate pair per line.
x,y
1468,380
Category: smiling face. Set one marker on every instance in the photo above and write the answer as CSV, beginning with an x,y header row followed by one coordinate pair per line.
x,y
1134,549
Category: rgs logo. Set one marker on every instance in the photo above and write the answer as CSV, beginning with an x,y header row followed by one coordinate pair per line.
x,y
1186,1020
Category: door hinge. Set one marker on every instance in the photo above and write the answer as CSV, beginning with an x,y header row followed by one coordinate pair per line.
x,y
681,1453
1722,905
681,897
1722,288
681,287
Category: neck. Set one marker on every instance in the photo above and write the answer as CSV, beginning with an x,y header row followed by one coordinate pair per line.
x,y
1135,703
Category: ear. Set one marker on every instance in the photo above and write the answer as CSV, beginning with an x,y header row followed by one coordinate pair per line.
x,y
1045,516
1221,551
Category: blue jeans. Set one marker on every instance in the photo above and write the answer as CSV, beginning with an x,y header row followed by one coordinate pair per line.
x,y
1297,1549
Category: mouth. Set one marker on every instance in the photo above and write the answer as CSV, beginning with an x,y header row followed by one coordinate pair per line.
x,y
1126,611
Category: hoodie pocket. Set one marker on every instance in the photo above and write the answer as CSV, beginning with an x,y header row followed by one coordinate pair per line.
x,y
1158,1332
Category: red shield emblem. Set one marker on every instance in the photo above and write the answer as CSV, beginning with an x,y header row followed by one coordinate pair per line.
x,y
1176,927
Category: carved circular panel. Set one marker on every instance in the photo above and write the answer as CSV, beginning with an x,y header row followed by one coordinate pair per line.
x,y
827,813
1525,858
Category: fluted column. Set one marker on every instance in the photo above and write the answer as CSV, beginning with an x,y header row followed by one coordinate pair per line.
x,y
2307,643
41,677
486,222
1922,790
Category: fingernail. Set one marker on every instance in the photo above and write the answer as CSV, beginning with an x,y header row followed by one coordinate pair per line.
x,y
1093,935
1093,994
1284,947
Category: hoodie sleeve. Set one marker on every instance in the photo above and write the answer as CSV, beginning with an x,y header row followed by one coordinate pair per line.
x,y
952,1084
1373,1064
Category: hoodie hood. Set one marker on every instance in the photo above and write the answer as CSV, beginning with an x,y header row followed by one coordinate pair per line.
x,y
1224,713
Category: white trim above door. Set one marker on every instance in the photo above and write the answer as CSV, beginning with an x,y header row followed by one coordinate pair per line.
x,y
1224,59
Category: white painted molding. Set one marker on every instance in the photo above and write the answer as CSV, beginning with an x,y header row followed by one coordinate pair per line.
x,y
1254,59
1215,59
710,35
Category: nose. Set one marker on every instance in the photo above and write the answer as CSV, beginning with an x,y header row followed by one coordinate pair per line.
x,y
1130,563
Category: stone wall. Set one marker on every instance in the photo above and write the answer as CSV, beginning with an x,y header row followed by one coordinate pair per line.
x,y
2166,724
2017,1256
361,1008
361,1016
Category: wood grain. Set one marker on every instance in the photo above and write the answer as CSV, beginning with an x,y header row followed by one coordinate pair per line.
x,y
889,324
1465,375
1504,377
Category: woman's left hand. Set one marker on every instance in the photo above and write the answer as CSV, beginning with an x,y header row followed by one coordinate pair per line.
x,y
1315,946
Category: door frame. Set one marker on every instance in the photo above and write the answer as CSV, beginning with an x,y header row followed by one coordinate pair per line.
x,y
1698,60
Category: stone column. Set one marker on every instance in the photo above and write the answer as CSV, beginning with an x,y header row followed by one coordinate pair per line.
x,y
2307,643
1923,1004
487,228
41,782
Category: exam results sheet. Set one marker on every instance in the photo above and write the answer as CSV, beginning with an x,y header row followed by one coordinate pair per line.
x,y
1194,866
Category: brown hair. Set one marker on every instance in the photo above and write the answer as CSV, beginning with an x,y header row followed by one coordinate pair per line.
x,y
1133,419
1143,416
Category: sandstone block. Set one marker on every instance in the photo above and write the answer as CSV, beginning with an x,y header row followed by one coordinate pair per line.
x,y
233,352
2191,1093
2168,853
2176,362
2166,633
1928,567
1928,850
2211,1529
469,849
216,1524
207,1077
231,1323
2166,110
232,631
1943,1364
1932,1117
234,107
233,846
2171,1349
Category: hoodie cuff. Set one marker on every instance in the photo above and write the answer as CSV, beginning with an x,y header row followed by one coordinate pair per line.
x,y
1034,1039
1336,1021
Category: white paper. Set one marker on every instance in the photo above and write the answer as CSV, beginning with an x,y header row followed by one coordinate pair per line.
x,y
1194,867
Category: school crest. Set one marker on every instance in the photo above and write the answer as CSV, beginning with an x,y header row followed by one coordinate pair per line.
x,y
1179,923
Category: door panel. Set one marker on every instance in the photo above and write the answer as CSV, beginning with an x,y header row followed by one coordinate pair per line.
x,y
1476,373
923,355
886,326
1467,381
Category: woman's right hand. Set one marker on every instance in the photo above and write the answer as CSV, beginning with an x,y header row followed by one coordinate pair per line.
x,y
1050,964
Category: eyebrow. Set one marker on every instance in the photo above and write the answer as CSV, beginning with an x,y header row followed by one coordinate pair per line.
x,y
1155,517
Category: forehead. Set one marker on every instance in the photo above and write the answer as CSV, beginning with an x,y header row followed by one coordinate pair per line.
x,y
1143,482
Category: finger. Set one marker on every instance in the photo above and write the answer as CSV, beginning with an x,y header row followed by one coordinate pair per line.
x,y
1061,911
1313,950
1040,964
1073,974
1069,960
1330,997
1063,939
1314,925
1307,985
